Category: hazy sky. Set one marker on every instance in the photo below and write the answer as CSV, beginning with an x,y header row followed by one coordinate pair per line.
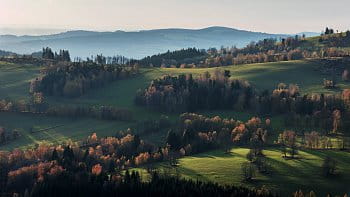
x,y
275,16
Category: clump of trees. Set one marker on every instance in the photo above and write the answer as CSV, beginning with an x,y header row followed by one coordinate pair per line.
x,y
63,55
288,141
173,58
76,78
198,133
332,39
106,60
329,31
185,93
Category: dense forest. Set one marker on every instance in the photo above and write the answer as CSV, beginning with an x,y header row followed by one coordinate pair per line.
x,y
185,93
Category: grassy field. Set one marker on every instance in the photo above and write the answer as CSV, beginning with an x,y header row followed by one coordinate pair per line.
x,y
286,175
14,80
67,129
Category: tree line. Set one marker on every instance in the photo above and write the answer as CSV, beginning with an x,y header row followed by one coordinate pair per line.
x,y
63,55
198,133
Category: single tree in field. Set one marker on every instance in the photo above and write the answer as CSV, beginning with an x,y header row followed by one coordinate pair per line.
x,y
257,142
328,166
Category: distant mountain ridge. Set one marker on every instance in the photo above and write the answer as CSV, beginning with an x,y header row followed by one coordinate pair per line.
x,y
135,44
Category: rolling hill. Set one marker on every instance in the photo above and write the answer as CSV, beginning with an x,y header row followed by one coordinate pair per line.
x,y
132,44
15,84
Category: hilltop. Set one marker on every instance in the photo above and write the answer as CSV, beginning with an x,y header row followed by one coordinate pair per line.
x,y
135,44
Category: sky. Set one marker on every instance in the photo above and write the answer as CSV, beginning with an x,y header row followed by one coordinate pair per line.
x,y
272,16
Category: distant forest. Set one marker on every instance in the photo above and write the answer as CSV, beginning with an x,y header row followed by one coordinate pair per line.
x,y
267,50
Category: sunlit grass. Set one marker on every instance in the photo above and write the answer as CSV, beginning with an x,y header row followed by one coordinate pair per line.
x,y
286,175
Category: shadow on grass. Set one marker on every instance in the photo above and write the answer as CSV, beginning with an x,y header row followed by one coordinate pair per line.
x,y
219,153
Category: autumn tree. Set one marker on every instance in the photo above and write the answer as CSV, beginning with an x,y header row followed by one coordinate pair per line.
x,y
312,139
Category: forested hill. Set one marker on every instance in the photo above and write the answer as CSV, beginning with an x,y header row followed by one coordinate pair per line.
x,y
267,50
133,44
5,53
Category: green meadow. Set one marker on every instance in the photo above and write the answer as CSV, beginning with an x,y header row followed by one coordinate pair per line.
x,y
14,80
286,175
